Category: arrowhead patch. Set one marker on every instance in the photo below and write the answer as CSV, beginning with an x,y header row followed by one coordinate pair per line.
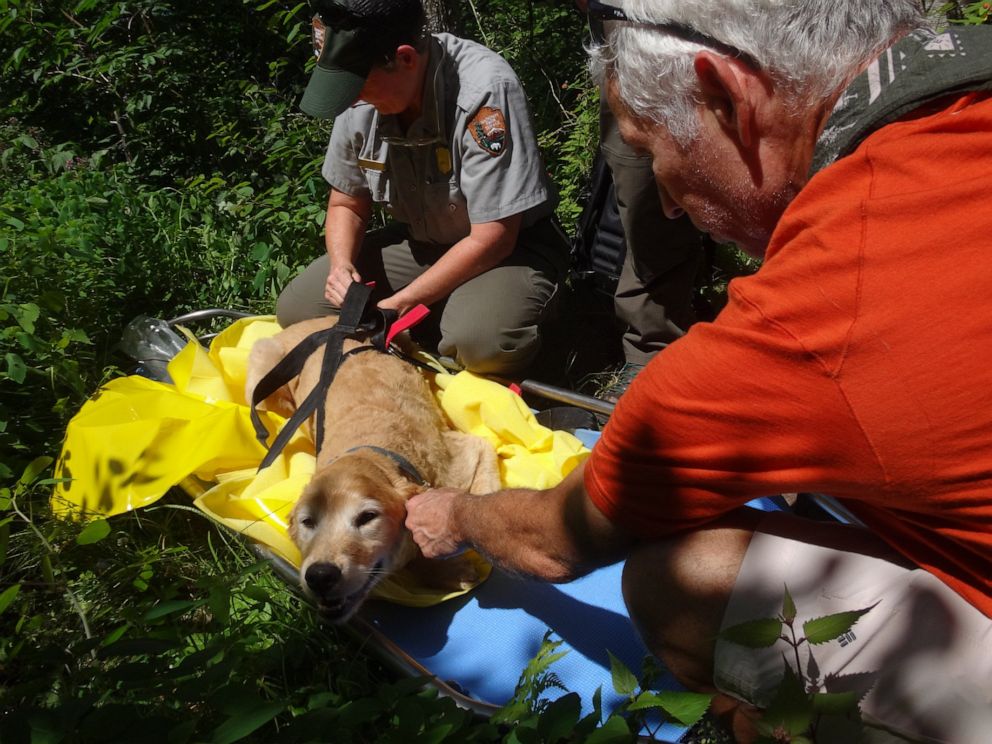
x,y
488,128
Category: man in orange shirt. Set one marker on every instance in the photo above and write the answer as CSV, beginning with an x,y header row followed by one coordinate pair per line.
x,y
850,148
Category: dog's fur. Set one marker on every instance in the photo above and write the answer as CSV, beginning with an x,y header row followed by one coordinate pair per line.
x,y
349,520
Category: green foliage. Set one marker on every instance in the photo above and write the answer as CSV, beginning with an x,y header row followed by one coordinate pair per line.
x,y
537,719
799,708
971,14
161,85
153,161
543,42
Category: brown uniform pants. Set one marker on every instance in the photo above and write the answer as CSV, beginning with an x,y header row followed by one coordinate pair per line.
x,y
490,324
654,294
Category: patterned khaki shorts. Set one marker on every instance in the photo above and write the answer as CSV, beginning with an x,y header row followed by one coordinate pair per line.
x,y
922,655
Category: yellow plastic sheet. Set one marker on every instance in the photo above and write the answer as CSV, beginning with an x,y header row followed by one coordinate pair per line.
x,y
136,438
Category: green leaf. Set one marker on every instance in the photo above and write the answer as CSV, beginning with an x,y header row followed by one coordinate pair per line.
x,y
685,707
835,702
791,708
754,633
8,596
171,607
93,532
624,681
34,469
16,369
5,499
788,608
242,723
614,731
558,720
27,316
830,627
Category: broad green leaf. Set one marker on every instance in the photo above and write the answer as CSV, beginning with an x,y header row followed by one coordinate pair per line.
x,y
260,252
8,596
115,635
437,734
5,499
624,681
34,469
93,532
614,731
27,315
835,702
243,723
754,633
171,607
788,607
830,627
790,708
685,707
16,368
560,717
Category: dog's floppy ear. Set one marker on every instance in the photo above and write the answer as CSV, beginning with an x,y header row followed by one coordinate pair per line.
x,y
472,465
406,488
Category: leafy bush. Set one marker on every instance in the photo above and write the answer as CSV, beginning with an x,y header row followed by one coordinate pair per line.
x,y
153,160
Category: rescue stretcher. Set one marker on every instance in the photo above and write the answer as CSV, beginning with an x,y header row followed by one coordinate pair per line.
x,y
474,647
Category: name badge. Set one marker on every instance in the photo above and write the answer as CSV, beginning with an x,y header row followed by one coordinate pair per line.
x,y
443,157
374,165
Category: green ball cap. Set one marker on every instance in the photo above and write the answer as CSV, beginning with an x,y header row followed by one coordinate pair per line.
x,y
337,80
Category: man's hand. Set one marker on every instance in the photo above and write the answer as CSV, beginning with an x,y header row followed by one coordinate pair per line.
x,y
397,303
430,517
339,279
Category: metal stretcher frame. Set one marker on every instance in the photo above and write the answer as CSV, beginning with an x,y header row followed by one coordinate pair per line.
x,y
366,630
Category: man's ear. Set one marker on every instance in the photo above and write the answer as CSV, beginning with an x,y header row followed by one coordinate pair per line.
x,y
406,57
726,86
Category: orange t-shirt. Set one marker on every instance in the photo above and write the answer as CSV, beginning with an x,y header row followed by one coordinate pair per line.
x,y
857,362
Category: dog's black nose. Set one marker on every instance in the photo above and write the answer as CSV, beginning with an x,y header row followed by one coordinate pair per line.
x,y
321,577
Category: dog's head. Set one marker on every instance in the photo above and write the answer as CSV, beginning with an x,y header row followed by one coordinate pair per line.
x,y
348,525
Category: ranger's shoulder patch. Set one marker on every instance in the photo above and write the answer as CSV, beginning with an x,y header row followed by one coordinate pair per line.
x,y
488,128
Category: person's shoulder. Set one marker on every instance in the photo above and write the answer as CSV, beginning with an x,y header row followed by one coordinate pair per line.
x,y
479,69
356,116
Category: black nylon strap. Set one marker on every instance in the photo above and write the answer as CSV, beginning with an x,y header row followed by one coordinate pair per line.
x,y
349,322
287,368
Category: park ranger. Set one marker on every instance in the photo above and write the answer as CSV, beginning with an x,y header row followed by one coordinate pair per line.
x,y
436,130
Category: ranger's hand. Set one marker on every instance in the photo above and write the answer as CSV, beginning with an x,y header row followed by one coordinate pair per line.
x,y
397,303
430,517
339,279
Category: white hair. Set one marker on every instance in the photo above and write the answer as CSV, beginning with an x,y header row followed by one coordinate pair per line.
x,y
811,49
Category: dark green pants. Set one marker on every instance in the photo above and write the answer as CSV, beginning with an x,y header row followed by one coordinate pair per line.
x,y
490,324
654,294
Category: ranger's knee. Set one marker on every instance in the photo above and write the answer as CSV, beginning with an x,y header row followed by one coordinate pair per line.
x,y
490,352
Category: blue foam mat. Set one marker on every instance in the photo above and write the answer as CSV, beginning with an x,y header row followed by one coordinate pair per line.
x,y
480,643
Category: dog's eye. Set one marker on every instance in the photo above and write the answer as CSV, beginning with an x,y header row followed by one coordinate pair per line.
x,y
308,522
365,517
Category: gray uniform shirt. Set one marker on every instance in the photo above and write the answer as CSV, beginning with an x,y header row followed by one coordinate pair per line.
x,y
471,156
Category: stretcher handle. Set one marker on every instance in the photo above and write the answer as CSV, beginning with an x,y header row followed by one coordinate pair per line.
x,y
552,392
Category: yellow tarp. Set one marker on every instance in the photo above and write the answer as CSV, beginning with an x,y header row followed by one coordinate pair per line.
x,y
136,438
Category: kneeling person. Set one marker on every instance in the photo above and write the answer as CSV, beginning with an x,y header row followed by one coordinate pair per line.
x,y
436,129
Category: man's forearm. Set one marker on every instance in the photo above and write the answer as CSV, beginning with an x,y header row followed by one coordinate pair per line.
x,y
555,535
343,235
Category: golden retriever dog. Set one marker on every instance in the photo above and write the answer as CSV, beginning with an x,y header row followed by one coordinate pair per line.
x,y
348,522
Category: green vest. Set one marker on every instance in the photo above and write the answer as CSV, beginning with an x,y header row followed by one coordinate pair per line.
x,y
921,67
